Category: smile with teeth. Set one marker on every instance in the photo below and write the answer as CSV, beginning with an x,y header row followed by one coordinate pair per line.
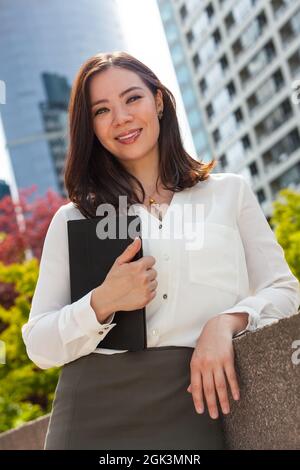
x,y
130,137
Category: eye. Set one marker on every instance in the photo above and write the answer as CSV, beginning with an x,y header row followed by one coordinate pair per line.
x,y
131,98
134,97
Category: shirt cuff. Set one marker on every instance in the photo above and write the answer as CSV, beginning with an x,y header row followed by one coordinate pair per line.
x,y
253,318
86,318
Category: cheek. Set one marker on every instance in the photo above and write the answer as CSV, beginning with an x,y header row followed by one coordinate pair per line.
x,y
100,133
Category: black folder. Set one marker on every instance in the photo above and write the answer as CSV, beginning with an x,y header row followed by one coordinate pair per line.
x,y
90,259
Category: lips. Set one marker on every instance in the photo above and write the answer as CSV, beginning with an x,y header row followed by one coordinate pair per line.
x,y
129,135
130,138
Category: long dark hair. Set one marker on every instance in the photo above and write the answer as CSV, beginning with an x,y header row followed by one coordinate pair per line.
x,y
92,174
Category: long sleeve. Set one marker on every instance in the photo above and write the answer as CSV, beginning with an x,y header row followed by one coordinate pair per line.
x,y
274,289
58,331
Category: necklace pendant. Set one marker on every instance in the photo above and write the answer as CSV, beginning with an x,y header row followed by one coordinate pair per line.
x,y
151,200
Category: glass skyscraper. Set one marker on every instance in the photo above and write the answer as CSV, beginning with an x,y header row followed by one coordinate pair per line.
x,y
42,46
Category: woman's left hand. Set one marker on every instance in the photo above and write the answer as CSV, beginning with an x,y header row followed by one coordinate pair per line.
x,y
212,363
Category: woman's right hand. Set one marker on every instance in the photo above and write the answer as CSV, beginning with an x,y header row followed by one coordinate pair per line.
x,y
129,285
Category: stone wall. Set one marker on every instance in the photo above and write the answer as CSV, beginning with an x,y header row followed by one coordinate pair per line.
x,y
268,414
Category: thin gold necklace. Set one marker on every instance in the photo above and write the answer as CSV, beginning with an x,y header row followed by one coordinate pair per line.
x,y
153,203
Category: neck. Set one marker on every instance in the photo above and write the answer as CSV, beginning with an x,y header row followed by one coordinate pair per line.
x,y
146,171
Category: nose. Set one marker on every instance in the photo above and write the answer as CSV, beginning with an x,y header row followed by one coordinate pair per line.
x,y
121,115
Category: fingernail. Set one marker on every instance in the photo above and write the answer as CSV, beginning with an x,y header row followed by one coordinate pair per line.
x,y
199,409
214,414
236,396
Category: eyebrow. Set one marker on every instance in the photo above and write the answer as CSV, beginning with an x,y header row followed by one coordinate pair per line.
x,y
120,95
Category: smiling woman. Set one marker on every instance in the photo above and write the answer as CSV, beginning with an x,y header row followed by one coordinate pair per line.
x,y
125,141
114,95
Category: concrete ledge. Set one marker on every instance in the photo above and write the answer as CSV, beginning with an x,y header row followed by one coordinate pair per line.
x,y
29,436
268,413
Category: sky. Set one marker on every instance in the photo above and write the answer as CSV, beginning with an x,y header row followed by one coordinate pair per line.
x,y
146,41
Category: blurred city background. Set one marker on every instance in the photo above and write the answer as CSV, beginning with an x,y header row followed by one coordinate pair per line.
x,y
234,69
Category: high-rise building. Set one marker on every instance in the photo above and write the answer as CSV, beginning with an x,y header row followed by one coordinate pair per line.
x,y
245,61
185,77
42,46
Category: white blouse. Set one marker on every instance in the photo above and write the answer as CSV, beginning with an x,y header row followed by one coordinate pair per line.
x,y
228,260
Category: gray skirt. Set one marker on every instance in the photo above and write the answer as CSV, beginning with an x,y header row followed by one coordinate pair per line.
x,y
132,400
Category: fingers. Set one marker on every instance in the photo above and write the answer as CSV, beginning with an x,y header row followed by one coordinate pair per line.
x,y
153,285
221,387
152,274
232,380
147,261
210,394
197,393
212,386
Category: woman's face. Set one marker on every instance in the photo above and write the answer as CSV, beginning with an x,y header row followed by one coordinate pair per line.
x,y
120,112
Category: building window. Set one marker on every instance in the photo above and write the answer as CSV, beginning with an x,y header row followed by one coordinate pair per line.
x,y
246,142
231,89
183,12
274,120
229,21
290,178
217,36
280,5
291,29
258,62
266,91
224,62
280,152
210,10
190,36
250,35
223,161
196,60
294,64
216,136
261,196
209,111
253,169
238,115
203,85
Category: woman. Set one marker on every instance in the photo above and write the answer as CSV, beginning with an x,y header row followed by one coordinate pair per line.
x,y
172,394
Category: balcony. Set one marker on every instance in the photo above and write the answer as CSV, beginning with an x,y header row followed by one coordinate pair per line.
x,y
279,6
252,33
281,151
258,63
289,179
265,92
274,120
294,64
290,30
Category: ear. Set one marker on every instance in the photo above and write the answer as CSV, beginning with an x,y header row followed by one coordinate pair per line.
x,y
159,100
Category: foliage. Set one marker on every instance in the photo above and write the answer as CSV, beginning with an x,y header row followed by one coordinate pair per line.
x,y
23,224
285,221
26,391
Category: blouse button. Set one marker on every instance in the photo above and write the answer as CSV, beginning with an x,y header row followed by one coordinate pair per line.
x,y
165,296
100,332
160,226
